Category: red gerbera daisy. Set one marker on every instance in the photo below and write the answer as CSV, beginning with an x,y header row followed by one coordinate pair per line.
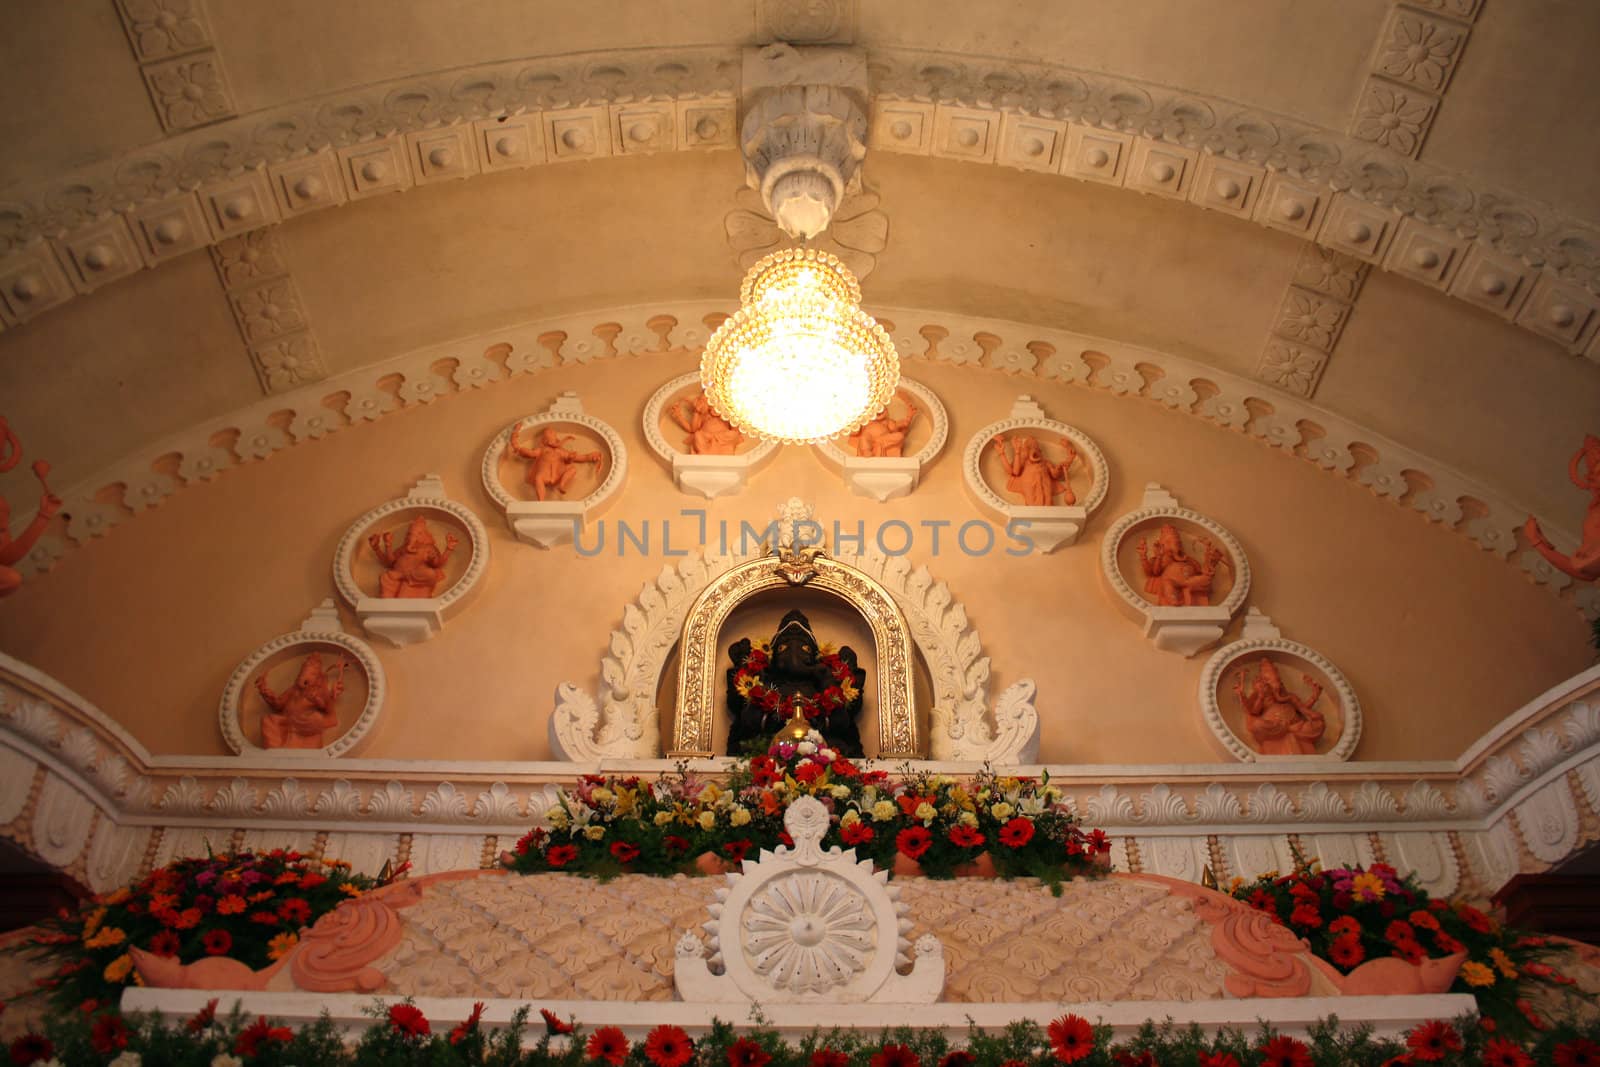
x,y
668,1046
959,1058
764,772
295,910
1498,1052
561,855
109,1034
895,1056
409,1020
746,1053
607,1043
259,1033
1285,1052
1399,931
827,1057
1475,919
675,845
165,943
965,837
1261,900
1218,1059
31,1048
467,1025
553,1024
624,852
855,833
1071,1038
1431,1041
736,850
913,841
1016,833
217,942
1578,1053
203,1018
1344,924
1346,951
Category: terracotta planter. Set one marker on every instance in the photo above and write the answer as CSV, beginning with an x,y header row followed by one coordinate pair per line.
x,y
709,863
905,866
981,867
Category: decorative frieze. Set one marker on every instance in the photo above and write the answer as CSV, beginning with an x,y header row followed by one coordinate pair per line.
x,y
266,308
182,71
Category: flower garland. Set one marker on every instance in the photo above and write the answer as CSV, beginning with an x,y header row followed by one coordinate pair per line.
x,y
248,906
1350,915
402,1035
748,684
612,825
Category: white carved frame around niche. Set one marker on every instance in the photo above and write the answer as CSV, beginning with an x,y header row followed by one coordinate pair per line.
x,y
1053,525
1262,638
621,720
888,477
403,621
709,476
547,523
321,633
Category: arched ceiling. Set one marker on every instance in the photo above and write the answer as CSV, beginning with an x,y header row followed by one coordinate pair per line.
x,y
983,197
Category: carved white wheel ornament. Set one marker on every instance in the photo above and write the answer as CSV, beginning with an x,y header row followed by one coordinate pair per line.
x,y
400,620
709,476
1185,630
621,720
1262,639
1051,526
889,477
547,523
806,925
320,633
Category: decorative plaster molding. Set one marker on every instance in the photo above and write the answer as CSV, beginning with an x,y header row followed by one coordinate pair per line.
x,y
320,630
181,68
266,308
891,477
1047,526
1262,638
1119,131
1499,792
404,620
1334,443
1185,630
710,475
547,523
1411,66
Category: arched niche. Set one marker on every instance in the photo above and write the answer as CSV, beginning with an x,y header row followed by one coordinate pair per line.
x,y
699,655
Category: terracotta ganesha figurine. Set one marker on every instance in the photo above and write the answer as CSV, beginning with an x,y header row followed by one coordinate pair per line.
x,y
12,549
769,683
1030,473
885,436
554,465
1175,578
417,569
709,433
1280,723
1583,564
301,716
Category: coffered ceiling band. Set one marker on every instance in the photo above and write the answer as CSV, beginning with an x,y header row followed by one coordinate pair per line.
x,y
1276,419
1508,254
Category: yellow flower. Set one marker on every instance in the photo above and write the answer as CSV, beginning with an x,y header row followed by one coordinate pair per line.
x,y
925,811
967,818
118,897
850,818
343,865
1366,886
594,832
92,923
710,793
350,889
1233,886
740,816
1476,974
1502,961
883,811
111,935
1002,810
602,796
557,818
663,817
279,946
117,970
708,819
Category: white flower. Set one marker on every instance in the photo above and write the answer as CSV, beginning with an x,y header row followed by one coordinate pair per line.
x,y
827,755
1031,806
813,737
805,748
840,792
222,1059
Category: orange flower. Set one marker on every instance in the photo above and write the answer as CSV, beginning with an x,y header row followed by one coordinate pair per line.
x,y
279,946
232,904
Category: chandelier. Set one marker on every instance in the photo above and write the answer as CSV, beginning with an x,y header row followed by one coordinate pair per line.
x,y
800,362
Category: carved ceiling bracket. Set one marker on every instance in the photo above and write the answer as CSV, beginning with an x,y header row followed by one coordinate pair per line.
x,y
804,132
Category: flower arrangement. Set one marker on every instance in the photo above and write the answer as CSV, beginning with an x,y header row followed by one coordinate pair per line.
x,y
401,1035
248,906
747,682
611,825
1349,915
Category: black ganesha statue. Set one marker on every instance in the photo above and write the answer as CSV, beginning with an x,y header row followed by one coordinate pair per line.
x,y
767,684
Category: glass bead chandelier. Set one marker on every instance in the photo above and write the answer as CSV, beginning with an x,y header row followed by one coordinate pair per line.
x,y
800,362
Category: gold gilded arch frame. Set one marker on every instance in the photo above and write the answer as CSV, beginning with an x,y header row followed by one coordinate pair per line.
x,y
898,737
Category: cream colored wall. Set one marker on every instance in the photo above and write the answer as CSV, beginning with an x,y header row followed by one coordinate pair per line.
x,y
1439,639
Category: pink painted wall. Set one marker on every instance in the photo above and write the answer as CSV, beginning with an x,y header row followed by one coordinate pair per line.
x,y
1439,639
